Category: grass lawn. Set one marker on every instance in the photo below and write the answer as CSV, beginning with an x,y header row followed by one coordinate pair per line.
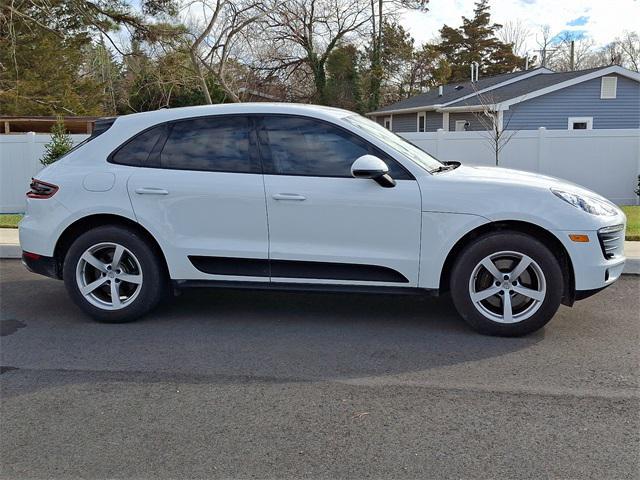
x,y
633,222
9,221
632,213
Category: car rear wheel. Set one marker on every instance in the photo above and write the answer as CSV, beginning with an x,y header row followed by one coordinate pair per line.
x,y
507,284
112,274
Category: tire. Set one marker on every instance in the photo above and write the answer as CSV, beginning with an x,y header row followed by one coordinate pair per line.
x,y
139,278
480,291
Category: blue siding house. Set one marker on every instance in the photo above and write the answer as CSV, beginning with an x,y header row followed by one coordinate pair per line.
x,y
599,98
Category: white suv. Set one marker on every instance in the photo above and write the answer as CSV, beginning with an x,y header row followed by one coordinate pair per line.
x,y
303,197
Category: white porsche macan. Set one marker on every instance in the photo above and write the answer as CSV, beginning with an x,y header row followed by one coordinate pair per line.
x,y
291,196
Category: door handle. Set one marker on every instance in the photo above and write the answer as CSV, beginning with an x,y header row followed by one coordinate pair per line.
x,y
289,196
151,191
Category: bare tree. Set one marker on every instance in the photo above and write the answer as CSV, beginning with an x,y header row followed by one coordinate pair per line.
x,y
212,43
302,34
495,126
630,46
610,54
544,40
574,53
516,33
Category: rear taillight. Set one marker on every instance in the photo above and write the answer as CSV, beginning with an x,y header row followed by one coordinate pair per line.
x,y
40,189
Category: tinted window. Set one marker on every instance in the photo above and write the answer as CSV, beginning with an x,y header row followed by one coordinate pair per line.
x,y
303,146
219,144
136,151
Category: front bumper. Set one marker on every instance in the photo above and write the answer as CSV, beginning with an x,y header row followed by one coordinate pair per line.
x,y
582,294
592,271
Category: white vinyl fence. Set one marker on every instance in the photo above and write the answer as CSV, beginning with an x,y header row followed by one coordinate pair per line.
x,y
606,161
19,161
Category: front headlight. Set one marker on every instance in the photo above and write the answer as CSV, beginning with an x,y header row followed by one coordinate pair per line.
x,y
587,204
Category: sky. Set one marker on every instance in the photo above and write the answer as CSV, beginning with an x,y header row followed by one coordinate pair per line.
x,y
601,20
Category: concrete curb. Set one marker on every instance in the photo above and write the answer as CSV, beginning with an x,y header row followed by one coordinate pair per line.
x,y
632,266
10,251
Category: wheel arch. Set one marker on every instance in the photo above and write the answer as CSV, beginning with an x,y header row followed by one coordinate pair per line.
x,y
89,222
536,231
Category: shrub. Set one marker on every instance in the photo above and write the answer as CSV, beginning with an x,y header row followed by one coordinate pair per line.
x,y
59,144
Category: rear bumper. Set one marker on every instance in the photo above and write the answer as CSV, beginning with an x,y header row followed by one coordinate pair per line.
x,y
47,266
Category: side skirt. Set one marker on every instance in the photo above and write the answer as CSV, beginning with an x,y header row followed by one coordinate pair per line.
x,y
303,287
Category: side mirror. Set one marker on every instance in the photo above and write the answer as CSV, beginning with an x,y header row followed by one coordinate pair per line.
x,y
370,166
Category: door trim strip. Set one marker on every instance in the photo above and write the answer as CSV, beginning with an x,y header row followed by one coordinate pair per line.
x,y
258,267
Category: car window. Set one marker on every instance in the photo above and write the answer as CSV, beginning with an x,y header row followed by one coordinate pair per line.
x,y
136,151
303,146
218,144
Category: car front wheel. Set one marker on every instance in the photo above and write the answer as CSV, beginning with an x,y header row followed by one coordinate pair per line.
x,y
507,284
112,274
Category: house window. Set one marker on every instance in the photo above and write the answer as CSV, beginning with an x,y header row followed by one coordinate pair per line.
x,y
608,87
387,123
462,125
422,122
580,123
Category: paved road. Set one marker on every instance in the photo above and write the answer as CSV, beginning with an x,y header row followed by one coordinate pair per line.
x,y
261,385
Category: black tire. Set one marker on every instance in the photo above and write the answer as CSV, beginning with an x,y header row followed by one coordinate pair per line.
x,y
152,288
491,244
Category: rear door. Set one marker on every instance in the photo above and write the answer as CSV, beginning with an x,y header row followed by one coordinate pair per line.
x,y
200,192
326,226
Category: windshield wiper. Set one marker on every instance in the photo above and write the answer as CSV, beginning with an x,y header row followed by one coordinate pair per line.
x,y
445,167
442,168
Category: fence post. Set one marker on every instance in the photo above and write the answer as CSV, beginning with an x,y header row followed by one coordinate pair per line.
x,y
31,152
439,138
636,180
541,135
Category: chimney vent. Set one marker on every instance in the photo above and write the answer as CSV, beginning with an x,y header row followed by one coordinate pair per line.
x,y
440,91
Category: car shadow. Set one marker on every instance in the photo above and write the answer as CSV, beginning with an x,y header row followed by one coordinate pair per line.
x,y
214,336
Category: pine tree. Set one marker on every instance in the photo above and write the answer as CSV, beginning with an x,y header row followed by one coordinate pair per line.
x,y
59,144
475,41
343,82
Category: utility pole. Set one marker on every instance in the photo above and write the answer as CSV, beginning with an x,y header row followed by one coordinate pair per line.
x,y
543,55
572,55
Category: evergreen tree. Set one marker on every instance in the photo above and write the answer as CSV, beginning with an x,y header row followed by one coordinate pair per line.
x,y
49,61
59,144
475,41
42,72
343,83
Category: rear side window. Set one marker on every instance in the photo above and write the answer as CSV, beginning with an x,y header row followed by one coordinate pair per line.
x,y
136,151
217,144
304,146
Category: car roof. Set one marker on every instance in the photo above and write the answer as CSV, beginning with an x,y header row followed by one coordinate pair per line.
x,y
142,120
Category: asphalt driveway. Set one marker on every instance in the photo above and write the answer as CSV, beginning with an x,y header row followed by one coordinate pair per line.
x,y
262,385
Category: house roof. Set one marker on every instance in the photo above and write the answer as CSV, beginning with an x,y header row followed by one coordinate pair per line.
x,y
522,87
450,92
509,87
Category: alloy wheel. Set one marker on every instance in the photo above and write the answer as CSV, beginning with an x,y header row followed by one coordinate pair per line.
x,y
109,276
507,287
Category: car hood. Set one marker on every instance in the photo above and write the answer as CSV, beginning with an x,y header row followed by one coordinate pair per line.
x,y
498,176
501,194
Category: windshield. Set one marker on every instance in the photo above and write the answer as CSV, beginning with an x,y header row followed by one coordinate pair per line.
x,y
399,144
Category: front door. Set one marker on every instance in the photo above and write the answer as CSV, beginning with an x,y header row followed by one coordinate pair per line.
x,y
201,195
326,226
